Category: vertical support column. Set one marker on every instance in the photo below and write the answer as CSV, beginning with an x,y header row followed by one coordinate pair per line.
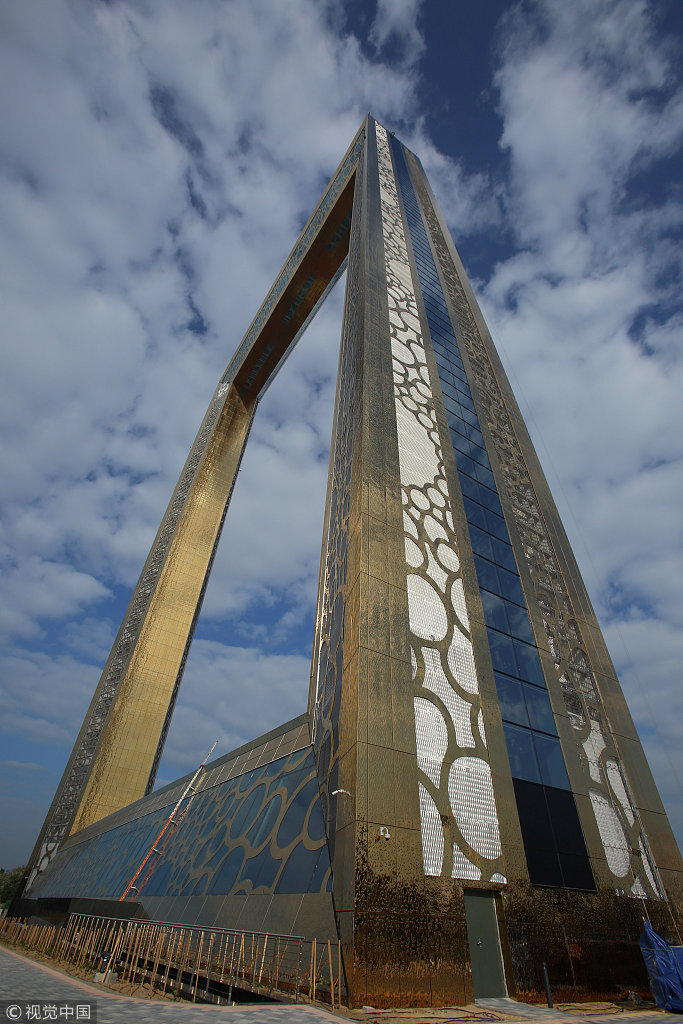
x,y
116,755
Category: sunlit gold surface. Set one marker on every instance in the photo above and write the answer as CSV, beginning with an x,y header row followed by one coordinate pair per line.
x,y
130,740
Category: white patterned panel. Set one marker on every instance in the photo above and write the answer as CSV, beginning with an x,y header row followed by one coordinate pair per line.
x,y
617,849
462,867
432,834
594,746
617,783
461,663
638,889
436,606
458,709
471,792
428,618
432,738
649,868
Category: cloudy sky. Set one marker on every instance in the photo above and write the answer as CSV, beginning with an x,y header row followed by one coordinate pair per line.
x,y
157,161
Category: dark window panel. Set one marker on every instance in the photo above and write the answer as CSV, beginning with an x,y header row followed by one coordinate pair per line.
x,y
484,475
511,700
491,500
529,663
487,574
540,712
544,867
551,761
502,554
481,543
477,517
520,626
502,653
510,587
469,487
565,822
494,611
521,753
576,872
497,526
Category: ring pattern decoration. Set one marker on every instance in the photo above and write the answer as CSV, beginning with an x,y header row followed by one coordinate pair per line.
x,y
256,833
459,821
622,835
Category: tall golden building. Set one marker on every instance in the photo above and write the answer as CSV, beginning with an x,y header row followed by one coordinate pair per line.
x,y
466,794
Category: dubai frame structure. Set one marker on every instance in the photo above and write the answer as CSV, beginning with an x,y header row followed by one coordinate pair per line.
x,y
467,765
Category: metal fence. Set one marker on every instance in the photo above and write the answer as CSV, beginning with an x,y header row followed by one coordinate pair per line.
x,y
205,964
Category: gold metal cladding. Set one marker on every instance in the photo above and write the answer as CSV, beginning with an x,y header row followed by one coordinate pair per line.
x,y
146,648
130,738
564,621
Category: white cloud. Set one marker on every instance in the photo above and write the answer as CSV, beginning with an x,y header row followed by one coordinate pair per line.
x,y
156,164
396,21
587,318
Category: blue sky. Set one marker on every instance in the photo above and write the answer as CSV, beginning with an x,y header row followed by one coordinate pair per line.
x,y
157,161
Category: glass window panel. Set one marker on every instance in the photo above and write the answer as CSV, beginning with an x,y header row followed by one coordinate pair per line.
x,y
549,752
460,375
543,865
497,526
470,417
511,700
503,555
485,476
533,815
481,542
519,623
523,764
469,487
479,455
487,574
539,709
529,663
298,870
576,872
510,586
491,500
225,877
502,653
261,869
465,464
468,403
476,516
494,611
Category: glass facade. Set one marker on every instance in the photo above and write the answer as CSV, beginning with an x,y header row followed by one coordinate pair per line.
x,y
257,833
553,841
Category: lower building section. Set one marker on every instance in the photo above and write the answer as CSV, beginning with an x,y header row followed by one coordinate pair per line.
x,y
247,850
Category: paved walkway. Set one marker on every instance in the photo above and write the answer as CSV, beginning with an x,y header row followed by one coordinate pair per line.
x,y
544,1013
24,981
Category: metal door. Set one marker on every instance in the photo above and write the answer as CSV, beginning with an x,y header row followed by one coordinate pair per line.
x,y
488,975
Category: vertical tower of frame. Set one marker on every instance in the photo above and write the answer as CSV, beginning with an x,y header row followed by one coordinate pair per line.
x,y
462,699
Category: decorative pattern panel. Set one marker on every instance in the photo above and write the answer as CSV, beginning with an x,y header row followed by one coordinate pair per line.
x,y
620,830
328,645
458,816
259,832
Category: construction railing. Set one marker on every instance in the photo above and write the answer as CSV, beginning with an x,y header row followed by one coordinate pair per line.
x,y
205,964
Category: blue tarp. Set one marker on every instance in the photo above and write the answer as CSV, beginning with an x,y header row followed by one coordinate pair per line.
x,y
665,968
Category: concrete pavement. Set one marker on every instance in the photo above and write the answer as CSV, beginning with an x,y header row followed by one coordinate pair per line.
x,y
25,981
